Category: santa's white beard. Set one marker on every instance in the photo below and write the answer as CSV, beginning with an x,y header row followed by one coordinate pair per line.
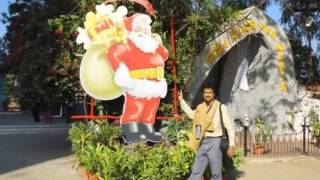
x,y
145,43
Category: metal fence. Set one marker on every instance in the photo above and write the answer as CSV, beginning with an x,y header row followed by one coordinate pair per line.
x,y
279,144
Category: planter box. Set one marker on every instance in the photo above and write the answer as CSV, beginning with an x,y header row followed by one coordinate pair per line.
x,y
86,175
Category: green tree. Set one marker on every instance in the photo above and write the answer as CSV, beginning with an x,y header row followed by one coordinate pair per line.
x,y
32,51
3,54
302,21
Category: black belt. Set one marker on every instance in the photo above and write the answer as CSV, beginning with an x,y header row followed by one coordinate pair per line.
x,y
210,137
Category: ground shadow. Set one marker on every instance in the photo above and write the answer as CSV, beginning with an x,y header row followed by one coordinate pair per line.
x,y
21,150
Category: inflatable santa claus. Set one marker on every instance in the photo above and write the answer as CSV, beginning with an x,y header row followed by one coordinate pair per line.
x,y
124,57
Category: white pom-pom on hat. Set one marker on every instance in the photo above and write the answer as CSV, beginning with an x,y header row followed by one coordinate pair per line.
x,y
122,11
141,17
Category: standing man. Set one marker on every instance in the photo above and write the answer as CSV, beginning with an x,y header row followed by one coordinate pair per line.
x,y
209,150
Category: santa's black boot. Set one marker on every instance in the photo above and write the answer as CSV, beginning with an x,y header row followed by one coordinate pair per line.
x,y
131,133
151,135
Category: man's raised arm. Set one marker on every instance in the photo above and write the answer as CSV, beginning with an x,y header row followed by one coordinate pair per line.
x,y
185,107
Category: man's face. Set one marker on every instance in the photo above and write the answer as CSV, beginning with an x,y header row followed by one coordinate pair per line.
x,y
143,28
208,94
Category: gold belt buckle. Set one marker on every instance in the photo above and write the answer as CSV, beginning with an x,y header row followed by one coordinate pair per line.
x,y
147,73
160,72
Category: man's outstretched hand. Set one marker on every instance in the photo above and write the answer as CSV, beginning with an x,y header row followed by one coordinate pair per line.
x,y
230,151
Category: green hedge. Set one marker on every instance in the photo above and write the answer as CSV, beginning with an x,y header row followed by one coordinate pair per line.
x,y
97,147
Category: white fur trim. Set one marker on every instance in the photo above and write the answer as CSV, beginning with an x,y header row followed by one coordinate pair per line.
x,y
140,17
148,88
122,77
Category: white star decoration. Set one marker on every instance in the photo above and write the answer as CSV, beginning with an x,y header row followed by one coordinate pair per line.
x,y
83,38
104,9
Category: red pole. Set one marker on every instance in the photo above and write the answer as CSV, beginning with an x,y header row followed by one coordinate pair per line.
x,y
173,44
104,117
174,69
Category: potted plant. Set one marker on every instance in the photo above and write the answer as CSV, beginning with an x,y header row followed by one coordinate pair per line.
x,y
315,125
261,137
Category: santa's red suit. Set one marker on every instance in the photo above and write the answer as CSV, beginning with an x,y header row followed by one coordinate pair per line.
x,y
140,73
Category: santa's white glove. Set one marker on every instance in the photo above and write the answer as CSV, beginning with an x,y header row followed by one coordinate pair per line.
x,y
122,77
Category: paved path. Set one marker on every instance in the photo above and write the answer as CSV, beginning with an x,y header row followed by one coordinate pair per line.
x,y
41,151
56,169
34,151
293,168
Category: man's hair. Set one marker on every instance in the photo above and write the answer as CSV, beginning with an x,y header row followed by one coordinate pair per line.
x,y
207,86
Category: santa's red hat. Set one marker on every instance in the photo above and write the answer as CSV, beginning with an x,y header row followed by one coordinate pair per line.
x,y
131,22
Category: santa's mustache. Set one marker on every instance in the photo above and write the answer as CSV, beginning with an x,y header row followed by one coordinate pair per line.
x,y
144,42
140,34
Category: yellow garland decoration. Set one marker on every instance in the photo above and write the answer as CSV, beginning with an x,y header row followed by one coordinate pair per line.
x,y
273,34
266,29
235,34
280,57
249,26
283,86
279,47
281,68
216,50
269,31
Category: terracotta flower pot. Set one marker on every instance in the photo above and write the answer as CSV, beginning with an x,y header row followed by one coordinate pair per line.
x,y
258,149
86,175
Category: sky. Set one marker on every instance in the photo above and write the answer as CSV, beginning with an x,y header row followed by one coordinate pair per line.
x,y
3,8
273,11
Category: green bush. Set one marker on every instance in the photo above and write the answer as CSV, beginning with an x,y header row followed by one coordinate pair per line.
x,y
177,131
315,125
97,148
